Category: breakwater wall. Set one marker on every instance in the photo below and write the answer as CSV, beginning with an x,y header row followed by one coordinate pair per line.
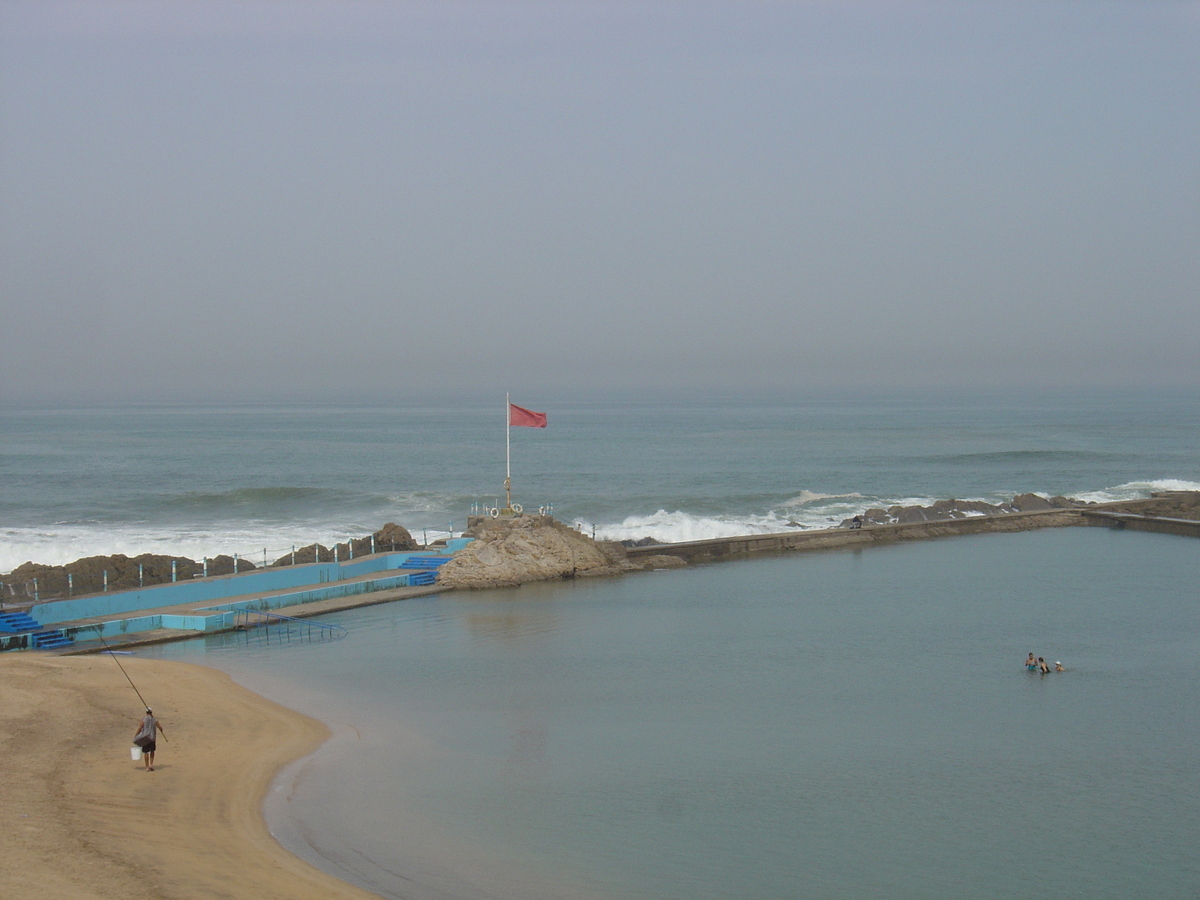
x,y
717,549
1134,522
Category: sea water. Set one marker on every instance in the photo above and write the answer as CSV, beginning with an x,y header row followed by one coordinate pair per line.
x,y
844,724
202,481
824,725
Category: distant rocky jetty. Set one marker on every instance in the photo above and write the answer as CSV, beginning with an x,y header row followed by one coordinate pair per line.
x,y
1170,504
88,574
1167,504
961,509
524,548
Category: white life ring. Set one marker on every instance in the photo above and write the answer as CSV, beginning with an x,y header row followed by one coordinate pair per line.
x,y
541,510
516,507
494,513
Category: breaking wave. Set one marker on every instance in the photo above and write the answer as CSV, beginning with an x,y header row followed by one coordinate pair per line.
x,y
810,510
245,522
806,497
1136,490
274,519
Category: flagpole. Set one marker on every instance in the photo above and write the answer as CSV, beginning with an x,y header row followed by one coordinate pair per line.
x,y
507,452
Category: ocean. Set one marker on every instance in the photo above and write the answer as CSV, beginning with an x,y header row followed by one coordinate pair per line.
x,y
854,723
203,481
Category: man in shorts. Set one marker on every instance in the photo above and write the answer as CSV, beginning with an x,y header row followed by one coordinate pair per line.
x,y
145,737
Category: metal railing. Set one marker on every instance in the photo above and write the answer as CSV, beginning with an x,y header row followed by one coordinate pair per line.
x,y
60,584
286,628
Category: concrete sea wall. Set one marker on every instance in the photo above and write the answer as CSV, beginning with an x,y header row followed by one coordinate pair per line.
x,y
749,545
1134,522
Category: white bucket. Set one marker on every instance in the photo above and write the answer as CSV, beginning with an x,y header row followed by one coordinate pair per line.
x,y
135,752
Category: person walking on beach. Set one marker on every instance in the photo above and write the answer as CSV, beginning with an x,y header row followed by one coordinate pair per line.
x,y
145,736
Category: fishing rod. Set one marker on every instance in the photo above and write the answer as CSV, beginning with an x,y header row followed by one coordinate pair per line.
x,y
145,705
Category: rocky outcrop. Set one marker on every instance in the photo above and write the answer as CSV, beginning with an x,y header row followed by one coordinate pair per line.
x,y
87,574
642,542
511,551
961,509
390,538
393,537
1167,504
520,549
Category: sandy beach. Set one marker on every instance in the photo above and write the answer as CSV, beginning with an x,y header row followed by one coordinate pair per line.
x,y
82,820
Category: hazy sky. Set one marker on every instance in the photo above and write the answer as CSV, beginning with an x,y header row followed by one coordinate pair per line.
x,y
221,201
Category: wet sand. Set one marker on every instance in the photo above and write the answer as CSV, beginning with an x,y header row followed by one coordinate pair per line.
x,y
80,819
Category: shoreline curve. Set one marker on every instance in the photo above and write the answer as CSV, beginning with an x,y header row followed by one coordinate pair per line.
x,y
82,820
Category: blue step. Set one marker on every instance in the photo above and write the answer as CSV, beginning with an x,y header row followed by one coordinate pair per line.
x,y
424,562
16,623
426,577
50,640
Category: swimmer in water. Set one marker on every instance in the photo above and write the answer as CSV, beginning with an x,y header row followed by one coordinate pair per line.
x,y
1043,667
1058,667
1031,662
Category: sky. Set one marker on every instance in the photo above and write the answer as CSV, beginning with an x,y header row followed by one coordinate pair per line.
x,y
224,202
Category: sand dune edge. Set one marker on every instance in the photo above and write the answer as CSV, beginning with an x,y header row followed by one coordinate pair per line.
x,y
82,820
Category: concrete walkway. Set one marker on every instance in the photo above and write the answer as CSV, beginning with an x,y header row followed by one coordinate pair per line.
x,y
297,611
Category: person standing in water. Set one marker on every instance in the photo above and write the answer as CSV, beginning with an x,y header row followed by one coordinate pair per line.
x,y
1031,662
1043,667
145,736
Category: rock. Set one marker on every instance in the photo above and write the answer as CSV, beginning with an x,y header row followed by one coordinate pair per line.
x,y
978,507
393,537
641,542
942,510
87,574
223,565
310,554
390,538
906,514
1031,503
511,551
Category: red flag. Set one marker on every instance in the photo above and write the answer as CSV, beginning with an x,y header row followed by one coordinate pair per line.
x,y
526,417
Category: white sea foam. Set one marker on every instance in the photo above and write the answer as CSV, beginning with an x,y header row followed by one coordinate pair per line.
x,y
675,526
61,544
670,526
678,525
1136,490
805,497
809,510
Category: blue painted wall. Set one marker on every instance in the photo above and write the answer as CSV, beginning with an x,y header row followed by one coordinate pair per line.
x,y
202,590
345,589
221,617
